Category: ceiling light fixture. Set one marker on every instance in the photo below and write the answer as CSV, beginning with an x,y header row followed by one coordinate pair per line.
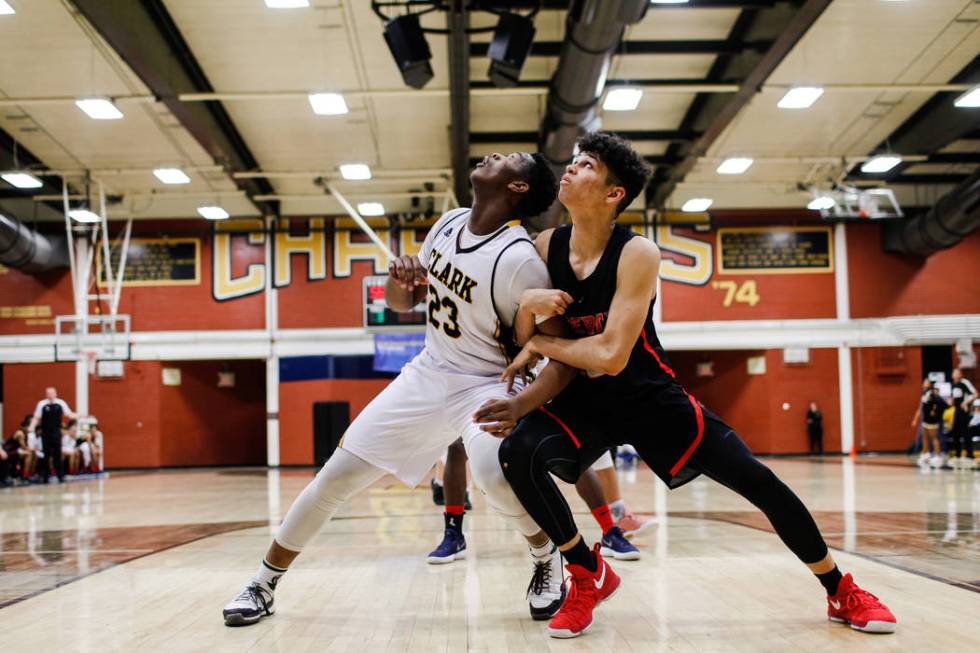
x,y
881,163
212,212
697,204
84,216
287,4
734,165
171,176
668,2
969,100
355,171
99,108
21,180
622,99
6,9
821,203
800,97
328,104
371,208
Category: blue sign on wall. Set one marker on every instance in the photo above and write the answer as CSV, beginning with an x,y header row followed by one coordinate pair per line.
x,y
393,350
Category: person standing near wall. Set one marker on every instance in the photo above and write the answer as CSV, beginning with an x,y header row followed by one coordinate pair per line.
x,y
931,411
963,395
814,428
50,413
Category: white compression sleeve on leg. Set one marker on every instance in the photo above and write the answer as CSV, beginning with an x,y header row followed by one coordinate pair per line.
x,y
489,476
343,476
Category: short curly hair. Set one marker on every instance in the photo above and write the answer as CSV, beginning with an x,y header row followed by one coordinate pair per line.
x,y
627,168
542,188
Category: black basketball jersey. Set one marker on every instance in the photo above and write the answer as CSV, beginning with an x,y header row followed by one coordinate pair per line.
x,y
648,369
51,416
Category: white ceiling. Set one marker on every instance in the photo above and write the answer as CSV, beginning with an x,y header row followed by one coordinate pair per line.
x,y
47,51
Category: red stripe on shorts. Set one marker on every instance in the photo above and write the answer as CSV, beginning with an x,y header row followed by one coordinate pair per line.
x,y
646,345
578,445
699,418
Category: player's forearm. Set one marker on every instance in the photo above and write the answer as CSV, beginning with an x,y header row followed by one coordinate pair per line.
x,y
552,380
524,326
597,353
401,299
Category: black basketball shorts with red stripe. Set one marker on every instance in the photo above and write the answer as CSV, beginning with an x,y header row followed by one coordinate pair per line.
x,y
672,432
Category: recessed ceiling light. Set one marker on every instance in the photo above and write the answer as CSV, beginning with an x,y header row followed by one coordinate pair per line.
x,y
697,204
355,171
668,2
21,180
734,165
212,212
6,9
622,99
172,176
328,104
821,203
882,163
83,215
99,109
800,97
371,208
286,4
969,99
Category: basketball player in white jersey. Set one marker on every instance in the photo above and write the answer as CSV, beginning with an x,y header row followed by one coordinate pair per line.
x,y
472,269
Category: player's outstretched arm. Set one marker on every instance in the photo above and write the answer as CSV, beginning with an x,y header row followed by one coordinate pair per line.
x,y
609,351
406,285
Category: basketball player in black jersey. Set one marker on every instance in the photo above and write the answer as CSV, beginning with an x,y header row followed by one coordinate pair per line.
x,y
605,287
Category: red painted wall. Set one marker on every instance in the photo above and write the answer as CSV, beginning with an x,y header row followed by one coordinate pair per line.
x,y
885,284
884,403
296,400
24,384
202,424
46,295
147,424
752,404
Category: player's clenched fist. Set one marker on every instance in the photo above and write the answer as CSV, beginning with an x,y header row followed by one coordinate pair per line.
x,y
546,302
408,272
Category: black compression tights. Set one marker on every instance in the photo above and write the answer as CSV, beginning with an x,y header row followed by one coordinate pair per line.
x,y
527,458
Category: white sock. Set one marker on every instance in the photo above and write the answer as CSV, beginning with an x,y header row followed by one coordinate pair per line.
x,y
618,509
268,576
546,550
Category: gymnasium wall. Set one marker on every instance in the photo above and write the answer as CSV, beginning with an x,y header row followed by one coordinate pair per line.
x,y
885,284
149,424
752,404
887,385
318,274
318,271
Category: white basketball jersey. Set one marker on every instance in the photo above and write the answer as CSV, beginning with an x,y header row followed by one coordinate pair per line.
x,y
463,333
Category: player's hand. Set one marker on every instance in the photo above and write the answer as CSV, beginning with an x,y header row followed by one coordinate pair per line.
x,y
546,302
528,358
408,272
498,417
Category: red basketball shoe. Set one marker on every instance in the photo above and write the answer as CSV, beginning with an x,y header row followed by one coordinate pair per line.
x,y
862,610
588,590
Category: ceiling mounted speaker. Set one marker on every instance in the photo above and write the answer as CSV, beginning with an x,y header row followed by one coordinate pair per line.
x,y
511,44
408,47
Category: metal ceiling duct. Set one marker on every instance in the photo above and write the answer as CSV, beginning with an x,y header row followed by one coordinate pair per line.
x,y
955,216
593,31
29,251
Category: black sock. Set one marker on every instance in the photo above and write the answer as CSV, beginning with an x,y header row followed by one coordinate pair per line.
x,y
581,555
454,521
831,580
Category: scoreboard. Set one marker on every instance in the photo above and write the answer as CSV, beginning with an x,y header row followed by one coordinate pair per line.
x,y
379,318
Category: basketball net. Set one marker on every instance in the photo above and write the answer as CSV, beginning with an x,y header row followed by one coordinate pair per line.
x,y
91,358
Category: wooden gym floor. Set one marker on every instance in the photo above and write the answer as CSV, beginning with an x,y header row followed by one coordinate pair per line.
x,y
145,561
